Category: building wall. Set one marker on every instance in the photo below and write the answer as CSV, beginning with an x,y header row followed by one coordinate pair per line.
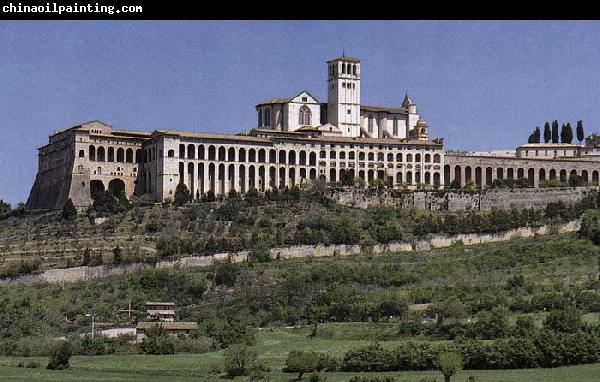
x,y
281,163
483,170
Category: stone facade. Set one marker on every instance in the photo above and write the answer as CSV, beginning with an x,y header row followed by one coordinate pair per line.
x,y
83,159
461,201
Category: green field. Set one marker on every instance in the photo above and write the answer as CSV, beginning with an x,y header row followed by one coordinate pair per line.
x,y
272,346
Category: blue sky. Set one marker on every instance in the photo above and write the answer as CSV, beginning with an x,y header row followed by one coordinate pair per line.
x,y
480,85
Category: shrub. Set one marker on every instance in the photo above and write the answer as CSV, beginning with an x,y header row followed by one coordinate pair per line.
x,y
194,345
238,360
301,362
60,356
567,320
157,341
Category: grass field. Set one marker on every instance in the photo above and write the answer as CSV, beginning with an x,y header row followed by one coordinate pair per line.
x,y
272,347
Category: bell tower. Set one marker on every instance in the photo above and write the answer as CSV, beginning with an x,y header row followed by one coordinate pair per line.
x,y
343,95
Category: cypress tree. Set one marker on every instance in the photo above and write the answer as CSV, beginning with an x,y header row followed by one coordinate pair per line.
x,y
566,133
580,133
69,212
547,133
537,135
555,136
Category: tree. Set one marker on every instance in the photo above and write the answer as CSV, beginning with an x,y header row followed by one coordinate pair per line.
x,y
590,226
182,195
86,256
301,362
449,363
60,356
69,212
580,133
566,133
238,360
117,255
4,207
535,136
547,133
593,140
555,136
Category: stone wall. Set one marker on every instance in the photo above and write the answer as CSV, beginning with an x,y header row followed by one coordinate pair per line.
x,y
302,251
457,201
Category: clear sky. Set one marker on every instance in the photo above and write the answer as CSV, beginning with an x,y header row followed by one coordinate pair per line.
x,y
480,85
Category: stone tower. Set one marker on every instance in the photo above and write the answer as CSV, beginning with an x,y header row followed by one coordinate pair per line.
x,y
343,95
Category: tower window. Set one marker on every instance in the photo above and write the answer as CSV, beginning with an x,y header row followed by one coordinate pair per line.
x,y
304,116
304,99
267,117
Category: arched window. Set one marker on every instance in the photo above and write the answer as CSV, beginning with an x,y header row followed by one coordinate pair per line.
x,y
354,69
267,117
111,154
370,124
304,116
81,153
259,117
101,154
129,156
120,155
92,153
171,153
343,68
436,158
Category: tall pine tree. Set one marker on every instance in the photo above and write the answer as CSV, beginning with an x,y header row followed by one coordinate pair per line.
x,y
547,133
555,136
580,133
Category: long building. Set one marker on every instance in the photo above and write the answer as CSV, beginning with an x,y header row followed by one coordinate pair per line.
x,y
296,139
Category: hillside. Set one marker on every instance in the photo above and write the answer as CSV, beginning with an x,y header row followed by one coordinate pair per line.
x,y
145,232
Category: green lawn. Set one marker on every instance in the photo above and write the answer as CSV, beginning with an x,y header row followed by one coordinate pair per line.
x,y
272,347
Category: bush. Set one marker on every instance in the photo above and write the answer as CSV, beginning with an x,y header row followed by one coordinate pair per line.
x,y
238,360
60,356
157,341
194,345
567,320
372,379
301,362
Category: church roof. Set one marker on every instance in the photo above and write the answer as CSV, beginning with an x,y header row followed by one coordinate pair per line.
x,y
407,101
275,100
343,57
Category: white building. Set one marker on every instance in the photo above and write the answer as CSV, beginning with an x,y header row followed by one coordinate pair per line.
x,y
343,109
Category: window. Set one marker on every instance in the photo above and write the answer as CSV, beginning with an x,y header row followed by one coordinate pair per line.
x,y
370,124
396,126
267,117
304,99
304,116
349,111
259,117
81,153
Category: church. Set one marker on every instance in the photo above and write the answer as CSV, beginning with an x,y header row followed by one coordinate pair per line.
x,y
342,114
296,140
